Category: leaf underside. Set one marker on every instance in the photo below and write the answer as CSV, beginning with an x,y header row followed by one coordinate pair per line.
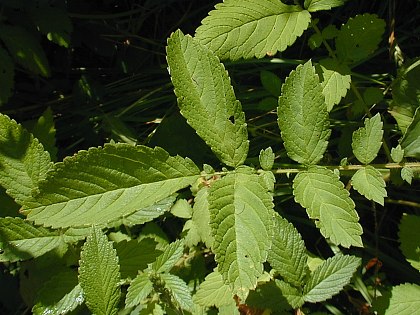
x,y
138,290
369,182
247,28
213,291
326,200
104,184
206,98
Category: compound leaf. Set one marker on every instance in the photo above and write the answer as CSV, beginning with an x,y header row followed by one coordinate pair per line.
x,y
99,274
138,290
367,140
104,184
169,257
404,300
359,37
213,291
330,278
241,219
23,161
321,192
288,253
247,28
206,98
318,5
368,181
179,290
7,74
409,235
21,240
303,117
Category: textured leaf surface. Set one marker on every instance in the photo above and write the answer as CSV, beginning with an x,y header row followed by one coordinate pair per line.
x,y
7,74
410,239
326,200
367,140
359,37
213,291
407,174
266,159
293,295
369,182
169,257
318,5
104,184
179,291
206,98
201,217
20,240
405,300
25,49
247,28
288,253
303,117
411,140
138,290
60,295
99,274
23,161
268,296
330,278
242,222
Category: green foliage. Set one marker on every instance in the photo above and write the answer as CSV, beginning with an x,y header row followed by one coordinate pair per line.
x,y
369,182
367,140
410,239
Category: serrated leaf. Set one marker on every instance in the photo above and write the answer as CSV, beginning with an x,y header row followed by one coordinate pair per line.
x,y
288,252
213,291
179,291
319,5
169,257
182,209
397,154
104,184
60,295
404,300
44,131
335,83
23,161
138,290
135,255
241,219
271,82
25,49
411,140
247,28
303,117
206,98
268,296
99,274
368,181
367,140
21,240
201,217
330,277
409,235
359,37
7,75
293,295
321,192
407,174
53,22
266,159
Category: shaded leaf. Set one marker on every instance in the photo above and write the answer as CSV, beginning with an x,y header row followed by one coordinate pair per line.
x,y
368,181
44,131
409,235
367,140
293,295
179,291
213,291
411,140
138,290
169,257
271,82
268,296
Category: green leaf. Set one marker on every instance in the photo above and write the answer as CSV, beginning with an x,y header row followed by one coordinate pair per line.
x,y
266,159
7,74
318,5
23,161
206,98
179,291
404,300
407,174
53,22
182,209
20,240
213,291
25,49
99,274
242,222
105,184
172,253
268,296
44,131
59,295
367,140
330,277
303,117
321,192
135,255
368,181
411,140
335,83
247,29
288,252
293,295
409,235
271,82
359,37
397,154
138,290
